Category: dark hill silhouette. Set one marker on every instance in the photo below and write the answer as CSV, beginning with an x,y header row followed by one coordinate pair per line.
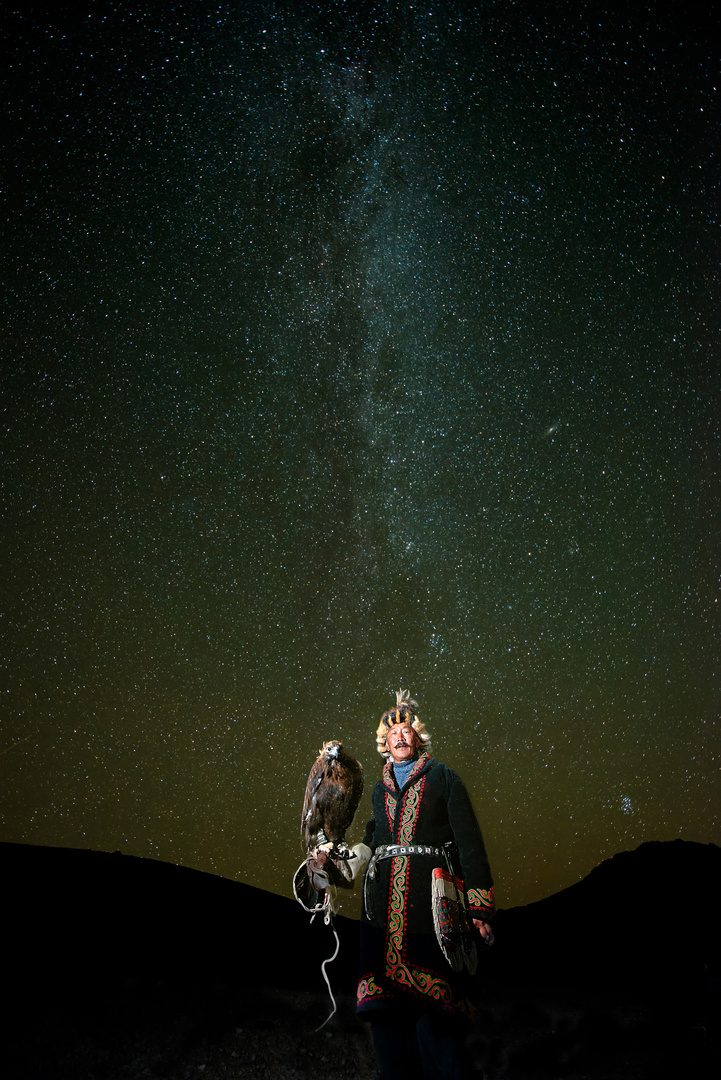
x,y
81,916
107,950
638,922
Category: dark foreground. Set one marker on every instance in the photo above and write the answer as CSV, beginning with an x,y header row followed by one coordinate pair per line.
x,y
220,1035
217,1033
122,968
211,1032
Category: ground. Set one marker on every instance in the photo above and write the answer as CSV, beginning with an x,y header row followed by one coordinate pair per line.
x,y
217,1032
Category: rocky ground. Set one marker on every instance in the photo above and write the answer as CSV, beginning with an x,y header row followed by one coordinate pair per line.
x,y
213,1034
216,1032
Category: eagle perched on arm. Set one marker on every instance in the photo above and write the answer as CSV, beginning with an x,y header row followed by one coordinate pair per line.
x,y
332,794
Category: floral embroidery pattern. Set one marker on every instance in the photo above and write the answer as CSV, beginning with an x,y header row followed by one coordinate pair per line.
x,y
407,826
390,808
367,989
425,983
391,791
399,875
481,898
396,913
414,979
389,779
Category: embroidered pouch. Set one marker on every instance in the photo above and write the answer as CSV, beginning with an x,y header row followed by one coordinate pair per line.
x,y
450,919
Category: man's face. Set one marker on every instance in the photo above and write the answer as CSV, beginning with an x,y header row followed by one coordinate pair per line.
x,y
401,742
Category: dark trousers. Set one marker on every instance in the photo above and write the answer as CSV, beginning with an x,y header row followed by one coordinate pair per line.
x,y
411,1045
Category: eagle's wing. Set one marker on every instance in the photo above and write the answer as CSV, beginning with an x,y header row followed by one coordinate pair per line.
x,y
338,800
310,821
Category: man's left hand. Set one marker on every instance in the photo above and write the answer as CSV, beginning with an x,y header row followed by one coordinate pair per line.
x,y
484,930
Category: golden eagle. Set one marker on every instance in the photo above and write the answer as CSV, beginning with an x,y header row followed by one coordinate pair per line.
x,y
332,794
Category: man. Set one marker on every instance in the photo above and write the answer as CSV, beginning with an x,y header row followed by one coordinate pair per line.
x,y
407,989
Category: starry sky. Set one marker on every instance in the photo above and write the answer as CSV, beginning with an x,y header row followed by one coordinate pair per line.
x,y
347,347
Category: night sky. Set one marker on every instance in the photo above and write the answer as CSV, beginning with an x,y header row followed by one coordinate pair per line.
x,y
344,352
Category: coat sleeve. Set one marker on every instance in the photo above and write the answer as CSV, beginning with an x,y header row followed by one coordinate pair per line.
x,y
471,851
368,839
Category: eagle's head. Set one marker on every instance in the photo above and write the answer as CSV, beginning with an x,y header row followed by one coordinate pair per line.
x,y
332,749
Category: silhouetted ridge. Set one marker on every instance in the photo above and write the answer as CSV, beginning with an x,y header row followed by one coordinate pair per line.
x,y
81,915
638,920
90,917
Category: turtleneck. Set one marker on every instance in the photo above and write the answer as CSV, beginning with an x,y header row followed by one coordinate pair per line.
x,y
403,769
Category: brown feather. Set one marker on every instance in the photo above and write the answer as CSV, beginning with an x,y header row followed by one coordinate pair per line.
x,y
332,794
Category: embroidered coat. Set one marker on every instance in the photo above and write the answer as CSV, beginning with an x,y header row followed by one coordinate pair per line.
x,y
400,956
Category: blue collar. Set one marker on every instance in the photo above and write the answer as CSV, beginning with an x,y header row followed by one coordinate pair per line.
x,y
403,769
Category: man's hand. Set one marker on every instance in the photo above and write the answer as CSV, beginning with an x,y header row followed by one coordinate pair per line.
x,y
484,930
358,863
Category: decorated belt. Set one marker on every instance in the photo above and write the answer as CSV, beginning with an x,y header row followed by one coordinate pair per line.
x,y
389,851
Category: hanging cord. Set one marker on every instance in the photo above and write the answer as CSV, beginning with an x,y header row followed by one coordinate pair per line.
x,y
324,906
327,980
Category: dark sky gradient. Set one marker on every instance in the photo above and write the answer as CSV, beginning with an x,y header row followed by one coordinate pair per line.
x,y
348,352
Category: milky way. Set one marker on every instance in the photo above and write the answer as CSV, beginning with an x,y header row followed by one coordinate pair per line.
x,y
346,348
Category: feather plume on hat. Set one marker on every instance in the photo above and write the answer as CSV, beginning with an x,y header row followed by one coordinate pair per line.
x,y
404,713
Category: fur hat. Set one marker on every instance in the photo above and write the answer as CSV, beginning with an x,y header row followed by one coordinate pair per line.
x,y
404,713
